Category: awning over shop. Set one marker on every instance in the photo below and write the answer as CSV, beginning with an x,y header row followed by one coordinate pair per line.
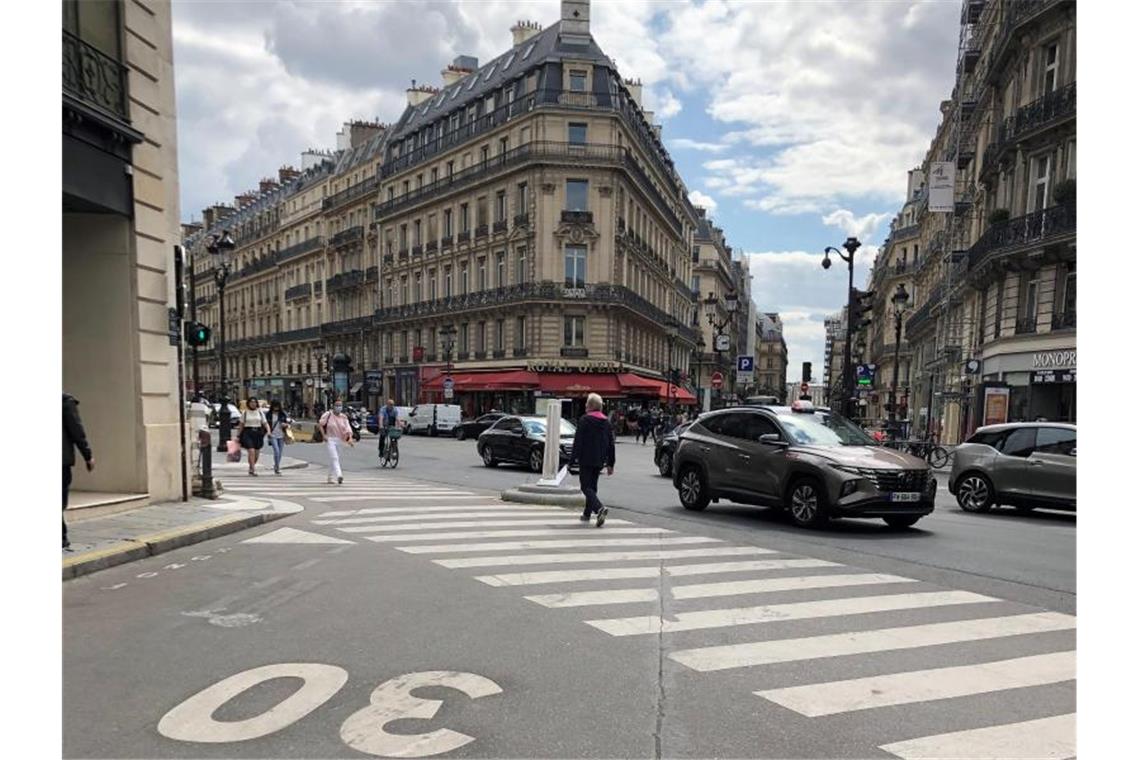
x,y
580,383
512,380
636,385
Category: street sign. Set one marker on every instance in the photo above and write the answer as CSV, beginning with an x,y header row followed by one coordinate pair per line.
x,y
804,389
865,375
744,363
717,380
173,326
448,394
448,388
721,342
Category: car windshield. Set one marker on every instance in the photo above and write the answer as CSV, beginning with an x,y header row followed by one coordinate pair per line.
x,y
538,427
823,429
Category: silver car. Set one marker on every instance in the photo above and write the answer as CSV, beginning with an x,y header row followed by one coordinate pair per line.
x,y
1023,464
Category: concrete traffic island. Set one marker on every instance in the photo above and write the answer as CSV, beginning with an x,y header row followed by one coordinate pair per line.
x,y
548,490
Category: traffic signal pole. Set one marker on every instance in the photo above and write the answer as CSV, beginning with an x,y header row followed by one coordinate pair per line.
x,y
194,318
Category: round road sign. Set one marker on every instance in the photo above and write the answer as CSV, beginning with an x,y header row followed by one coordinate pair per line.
x,y
718,380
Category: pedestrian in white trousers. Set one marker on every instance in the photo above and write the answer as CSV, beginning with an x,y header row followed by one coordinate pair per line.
x,y
335,428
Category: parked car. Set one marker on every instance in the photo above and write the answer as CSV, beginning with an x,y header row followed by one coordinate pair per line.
x,y
372,423
1023,464
815,464
433,419
666,447
522,440
473,428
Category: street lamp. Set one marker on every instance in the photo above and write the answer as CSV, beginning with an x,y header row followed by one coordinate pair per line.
x,y
712,307
671,335
447,340
851,245
222,247
899,303
699,350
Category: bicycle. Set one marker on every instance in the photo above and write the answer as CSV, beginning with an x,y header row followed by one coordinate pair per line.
x,y
390,456
934,454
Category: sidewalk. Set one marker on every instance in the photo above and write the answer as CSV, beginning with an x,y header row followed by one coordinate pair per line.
x,y
98,543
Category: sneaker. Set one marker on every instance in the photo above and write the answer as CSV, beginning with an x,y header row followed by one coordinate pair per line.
x,y
339,481
602,516
276,471
585,517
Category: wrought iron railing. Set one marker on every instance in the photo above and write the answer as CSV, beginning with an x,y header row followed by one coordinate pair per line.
x,y
578,217
305,246
522,220
304,290
574,352
351,193
1038,227
481,231
94,77
923,313
904,232
343,326
1065,319
350,235
1025,326
1017,12
1057,106
499,226
349,279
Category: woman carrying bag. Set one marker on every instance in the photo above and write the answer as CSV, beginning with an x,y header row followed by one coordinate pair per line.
x,y
279,433
251,432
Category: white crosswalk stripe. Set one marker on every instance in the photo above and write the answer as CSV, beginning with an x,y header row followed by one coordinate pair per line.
x,y
691,621
444,509
429,521
573,558
385,524
834,697
584,598
483,515
585,540
396,497
1043,739
617,573
863,642
556,531
797,583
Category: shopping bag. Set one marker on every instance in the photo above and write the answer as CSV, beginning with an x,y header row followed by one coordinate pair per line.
x,y
289,437
233,451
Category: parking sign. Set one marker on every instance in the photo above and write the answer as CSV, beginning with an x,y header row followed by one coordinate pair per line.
x,y
744,363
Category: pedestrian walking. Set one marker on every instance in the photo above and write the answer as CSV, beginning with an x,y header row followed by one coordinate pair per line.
x,y
252,429
644,424
278,423
336,430
74,437
593,450
389,420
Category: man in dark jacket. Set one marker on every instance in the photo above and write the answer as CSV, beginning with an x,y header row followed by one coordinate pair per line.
x,y
74,437
593,450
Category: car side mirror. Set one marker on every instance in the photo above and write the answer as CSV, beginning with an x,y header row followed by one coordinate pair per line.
x,y
772,439
1073,453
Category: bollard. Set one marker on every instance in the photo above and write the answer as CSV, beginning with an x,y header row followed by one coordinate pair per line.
x,y
205,456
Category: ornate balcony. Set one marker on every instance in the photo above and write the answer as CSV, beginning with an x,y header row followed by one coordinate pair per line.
x,y
351,235
499,226
94,78
480,354
304,290
417,250
345,280
1025,326
465,237
1065,320
432,246
578,217
481,231
522,220
498,353
1051,225
574,352
447,241
299,249
344,196
518,351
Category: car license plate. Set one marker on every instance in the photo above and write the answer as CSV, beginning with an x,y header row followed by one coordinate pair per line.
x,y
907,496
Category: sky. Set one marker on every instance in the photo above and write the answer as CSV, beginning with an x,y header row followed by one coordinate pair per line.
x,y
793,123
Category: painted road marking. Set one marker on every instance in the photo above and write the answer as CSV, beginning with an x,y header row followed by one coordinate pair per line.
x,y
834,697
723,618
294,536
561,530
114,587
491,505
585,540
568,576
584,598
390,497
1042,739
537,521
732,588
463,512
863,642
573,557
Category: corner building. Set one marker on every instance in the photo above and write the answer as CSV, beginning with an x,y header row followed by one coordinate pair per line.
x,y
533,234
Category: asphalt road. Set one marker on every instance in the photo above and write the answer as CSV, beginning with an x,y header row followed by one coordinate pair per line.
x,y
728,633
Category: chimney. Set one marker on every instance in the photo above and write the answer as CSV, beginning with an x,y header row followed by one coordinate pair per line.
x,y
312,158
417,94
459,68
266,185
523,31
575,29
243,200
287,174
361,132
634,88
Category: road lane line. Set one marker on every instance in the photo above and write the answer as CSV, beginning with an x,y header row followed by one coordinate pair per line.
x,y
562,530
391,497
585,598
489,506
1042,739
399,525
723,618
814,700
863,642
574,557
463,512
732,588
585,540
654,571
737,567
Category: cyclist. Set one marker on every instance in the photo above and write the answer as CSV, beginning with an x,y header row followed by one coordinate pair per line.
x,y
389,418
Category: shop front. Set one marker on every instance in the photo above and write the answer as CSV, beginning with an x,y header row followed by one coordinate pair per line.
x,y
1042,384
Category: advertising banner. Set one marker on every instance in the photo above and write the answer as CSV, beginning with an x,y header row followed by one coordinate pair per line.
x,y
940,186
996,406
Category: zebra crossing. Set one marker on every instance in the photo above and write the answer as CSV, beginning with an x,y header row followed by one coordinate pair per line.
x,y
718,608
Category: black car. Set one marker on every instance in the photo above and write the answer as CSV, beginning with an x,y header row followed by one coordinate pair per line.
x,y
522,440
474,428
666,447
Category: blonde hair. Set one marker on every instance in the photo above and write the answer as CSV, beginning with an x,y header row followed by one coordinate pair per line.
x,y
593,403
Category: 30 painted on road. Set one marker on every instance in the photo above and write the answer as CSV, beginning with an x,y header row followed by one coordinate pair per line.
x,y
192,720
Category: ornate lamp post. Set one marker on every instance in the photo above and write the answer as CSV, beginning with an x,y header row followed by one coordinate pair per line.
x,y
899,303
671,334
712,307
223,248
447,341
699,352
851,245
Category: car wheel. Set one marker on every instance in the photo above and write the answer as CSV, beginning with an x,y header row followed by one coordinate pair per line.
x,y
665,464
975,493
433,431
692,489
459,434
488,457
807,503
901,521
536,459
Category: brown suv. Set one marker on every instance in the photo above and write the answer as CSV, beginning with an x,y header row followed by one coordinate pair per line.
x,y
812,462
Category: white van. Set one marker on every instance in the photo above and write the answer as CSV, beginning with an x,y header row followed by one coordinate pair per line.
x,y
433,419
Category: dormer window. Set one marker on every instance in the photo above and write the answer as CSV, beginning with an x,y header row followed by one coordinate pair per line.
x,y
577,81
528,51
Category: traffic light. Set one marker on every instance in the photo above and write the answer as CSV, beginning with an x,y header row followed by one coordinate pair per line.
x,y
675,376
806,376
862,304
197,334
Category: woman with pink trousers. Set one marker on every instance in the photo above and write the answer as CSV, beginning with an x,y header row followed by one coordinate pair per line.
x,y
335,428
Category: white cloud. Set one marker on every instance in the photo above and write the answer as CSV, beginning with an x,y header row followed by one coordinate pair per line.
x,y
685,143
704,201
663,104
863,227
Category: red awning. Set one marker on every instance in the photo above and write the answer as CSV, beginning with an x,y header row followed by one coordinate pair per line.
x,y
512,380
637,385
580,383
660,389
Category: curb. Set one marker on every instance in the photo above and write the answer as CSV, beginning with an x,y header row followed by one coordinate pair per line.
x,y
160,543
573,499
